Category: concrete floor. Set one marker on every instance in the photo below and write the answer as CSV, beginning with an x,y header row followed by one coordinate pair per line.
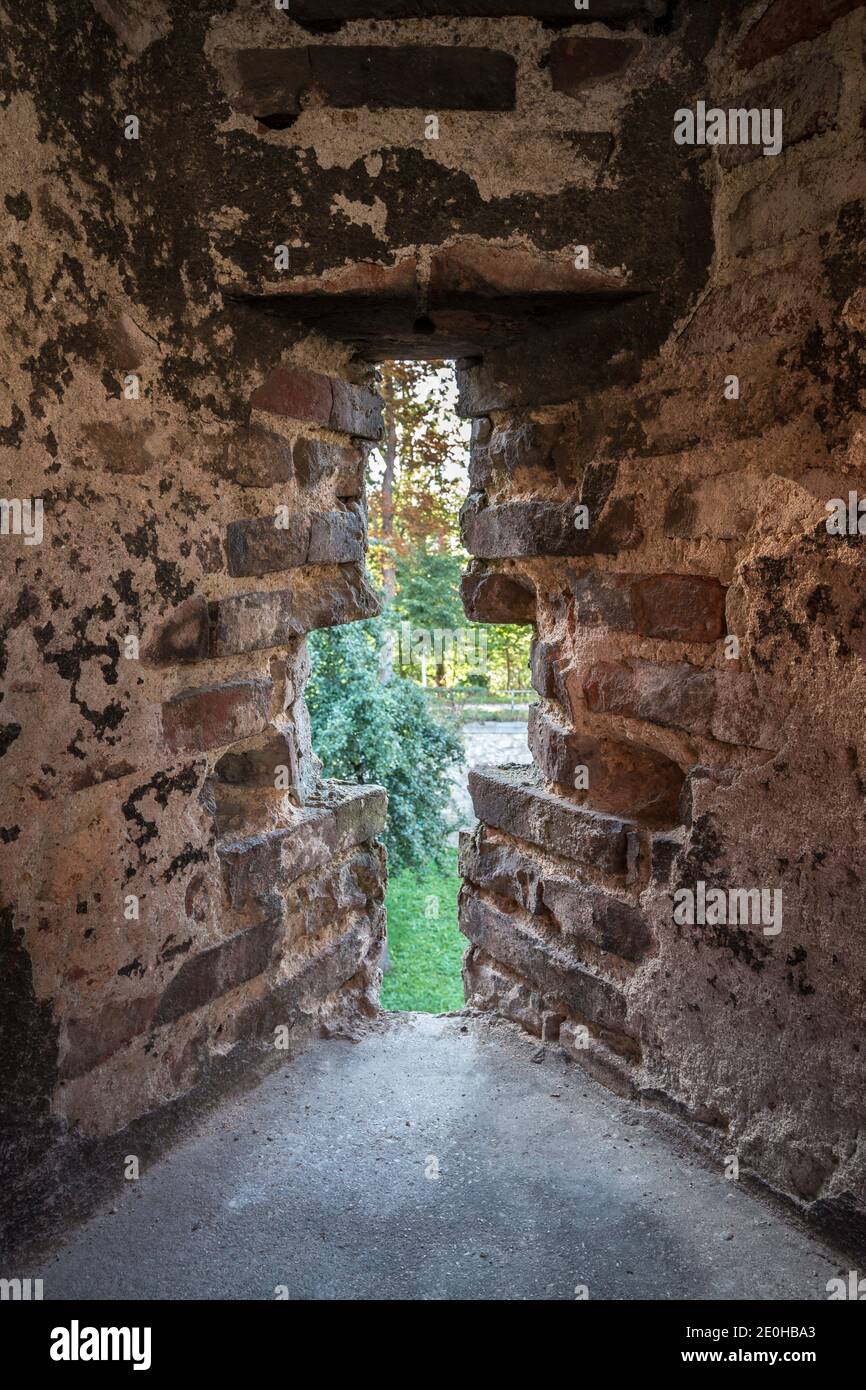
x,y
316,1180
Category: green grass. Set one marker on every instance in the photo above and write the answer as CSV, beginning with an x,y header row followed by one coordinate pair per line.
x,y
424,945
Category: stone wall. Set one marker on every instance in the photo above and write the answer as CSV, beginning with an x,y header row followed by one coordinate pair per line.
x,y
220,217
666,755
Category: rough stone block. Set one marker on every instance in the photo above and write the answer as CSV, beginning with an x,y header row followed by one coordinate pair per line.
x,y
718,704
578,63
184,636
676,607
196,720
488,985
783,24
544,661
324,400
339,818
543,961
256,457
522,528
99,1034
513,799
257,546
316,902
622,778
722,507
223,967
580,910
275,81
602,1063
490,596
270,618
314,460
806,90
252,622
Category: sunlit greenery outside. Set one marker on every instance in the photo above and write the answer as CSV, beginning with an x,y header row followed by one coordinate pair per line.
x,y
388,702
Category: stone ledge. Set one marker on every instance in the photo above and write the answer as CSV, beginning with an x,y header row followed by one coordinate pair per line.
x,y
580,910
338,818
513,799
543,961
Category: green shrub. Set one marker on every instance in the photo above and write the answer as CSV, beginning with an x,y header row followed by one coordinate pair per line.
x,y
366,729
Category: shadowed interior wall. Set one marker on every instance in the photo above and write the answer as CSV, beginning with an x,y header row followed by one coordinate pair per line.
x,y
173,378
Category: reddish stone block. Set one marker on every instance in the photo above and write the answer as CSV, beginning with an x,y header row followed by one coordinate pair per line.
x,y
256,457
257,546
513,799
784,24
524,528
723,705
326,401
679,607
490,596
196,720
623,778
184,637
577,63
297,393
221,968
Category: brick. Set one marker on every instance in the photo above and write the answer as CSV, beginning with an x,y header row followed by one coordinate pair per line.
x,y
543,961
623,778
274,81
196,720
257,546
256,457
221,968
303,395
338,595
489,596
578,63
184,636
783,24
544,659
676,607
337,537
723,705
513,799
524,528
614,926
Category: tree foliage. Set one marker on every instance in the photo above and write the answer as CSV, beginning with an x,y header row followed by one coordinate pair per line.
x,y
369,730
